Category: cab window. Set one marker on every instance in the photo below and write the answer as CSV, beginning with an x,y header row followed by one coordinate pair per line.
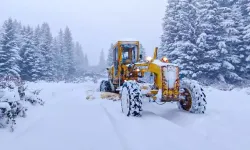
x,y
125,54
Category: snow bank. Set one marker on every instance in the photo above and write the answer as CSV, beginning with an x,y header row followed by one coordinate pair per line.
x,y
5,105
12,103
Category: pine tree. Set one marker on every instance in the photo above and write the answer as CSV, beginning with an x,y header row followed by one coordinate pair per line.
x,y
231,40
219,40
37,35
38,54
208,38
79,58
170,29
68,53
102,62
45,47
62,60
178,39
211,45
9,51
86,62
245,50
18,32
110,55
29,56
22,49
55,59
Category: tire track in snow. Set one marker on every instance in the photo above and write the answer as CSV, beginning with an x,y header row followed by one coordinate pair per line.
x,y
30,127
46,111
118,133
164,113
172,115
138,132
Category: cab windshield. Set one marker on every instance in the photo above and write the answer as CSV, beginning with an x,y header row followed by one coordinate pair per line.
x,y
129,53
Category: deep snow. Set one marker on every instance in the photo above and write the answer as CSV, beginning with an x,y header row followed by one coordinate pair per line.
x,y
70,122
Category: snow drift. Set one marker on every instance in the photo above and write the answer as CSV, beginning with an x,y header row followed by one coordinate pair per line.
x,y
12,102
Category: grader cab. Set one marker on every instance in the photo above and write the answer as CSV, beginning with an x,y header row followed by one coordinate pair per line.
x,y
129,68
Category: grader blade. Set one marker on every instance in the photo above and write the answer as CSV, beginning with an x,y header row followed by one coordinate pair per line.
x,y
110,96
91,95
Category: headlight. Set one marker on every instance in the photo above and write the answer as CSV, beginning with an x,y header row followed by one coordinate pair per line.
x,y
164,59
149,58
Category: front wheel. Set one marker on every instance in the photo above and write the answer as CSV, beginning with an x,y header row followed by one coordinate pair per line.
x,y
131,99
192,97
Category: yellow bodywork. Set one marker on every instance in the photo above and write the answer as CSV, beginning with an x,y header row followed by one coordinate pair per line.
x,y
138,70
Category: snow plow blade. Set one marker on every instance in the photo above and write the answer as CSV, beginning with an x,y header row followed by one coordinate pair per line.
x,y
102,95
110,96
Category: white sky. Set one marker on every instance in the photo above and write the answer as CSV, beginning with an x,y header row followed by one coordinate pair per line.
x,y
94,23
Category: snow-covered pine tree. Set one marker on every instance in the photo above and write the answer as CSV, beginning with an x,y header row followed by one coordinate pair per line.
x,y
1,31
86,62
102,62
76,50
142,52
9,51
68,53
205,38
245,51
110,55
29,56
79,59
46,50
22,46
55,59
170,29
38,73
62,57
210,41
231,43
74,59
37,35
18,31
178,39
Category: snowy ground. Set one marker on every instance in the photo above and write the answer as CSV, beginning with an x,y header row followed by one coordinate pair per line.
x,y
70,122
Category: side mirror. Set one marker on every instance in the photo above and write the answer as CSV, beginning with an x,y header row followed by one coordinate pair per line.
x,y
107,68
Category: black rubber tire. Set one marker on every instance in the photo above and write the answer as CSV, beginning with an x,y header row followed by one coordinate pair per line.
x,y
105,86
198,96
131,99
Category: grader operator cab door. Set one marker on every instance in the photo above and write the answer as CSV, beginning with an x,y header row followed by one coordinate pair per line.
x,y
115,61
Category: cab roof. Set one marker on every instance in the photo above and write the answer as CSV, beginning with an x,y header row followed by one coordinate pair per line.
x,y
126,43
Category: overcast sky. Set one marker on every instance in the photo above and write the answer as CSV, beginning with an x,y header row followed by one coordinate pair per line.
x,y
94,23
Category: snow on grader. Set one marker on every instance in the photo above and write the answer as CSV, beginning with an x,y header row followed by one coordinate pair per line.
x,y
134,79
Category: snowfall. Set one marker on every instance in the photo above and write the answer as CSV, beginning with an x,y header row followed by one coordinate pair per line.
x,y
68,121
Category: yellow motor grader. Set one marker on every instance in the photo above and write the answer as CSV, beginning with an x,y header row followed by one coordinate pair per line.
x,y
135,78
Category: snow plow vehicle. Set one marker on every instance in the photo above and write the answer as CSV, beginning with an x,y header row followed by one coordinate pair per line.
x,y
135,78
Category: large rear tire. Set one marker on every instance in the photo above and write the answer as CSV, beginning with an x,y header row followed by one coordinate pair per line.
x,y
192,97
131,99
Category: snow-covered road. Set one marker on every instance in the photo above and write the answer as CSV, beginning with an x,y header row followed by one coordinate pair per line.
x,y
70,122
